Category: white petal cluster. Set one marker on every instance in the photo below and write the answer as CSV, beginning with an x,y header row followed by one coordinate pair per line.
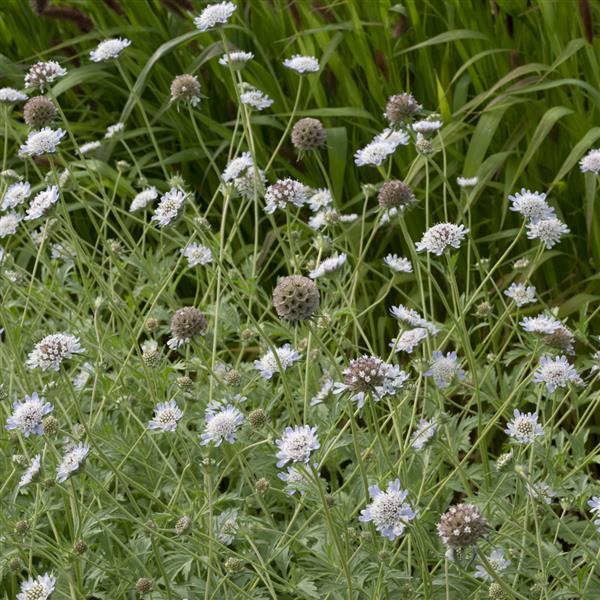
x,y
302,64
109,49
169,206
44,141
42,202
214,15
143,198
328,266
267,364
442,236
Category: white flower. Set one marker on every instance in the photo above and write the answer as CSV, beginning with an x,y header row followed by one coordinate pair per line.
x,y
10,95
169,207
222,423
322,394
426,127
327,217
302,64
556,373
15,195
590,163
540,324
72,459
295,480
444,368
374,153
9,223
413,318
43,73
32,470
40,588
50,352
44,141
166,415
442,236
238,166
197,254
226,526
41,202
328,266
109,49
89,147
297,444
256,99
423,433
532,205
237,59
143,198
396,137
320,199
467,182
389,511
267,365
521,294
398,264
214,14
113,130
408,340
524,428
497,562
283,193
28,414
548,231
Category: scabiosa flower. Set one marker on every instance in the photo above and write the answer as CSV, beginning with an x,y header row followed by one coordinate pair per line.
x,y
498,563
44,141
521,294
43,73
41,203
50,352
15,195
374,153
590,163
423,434
32,470
28,414
389,511
426,126
400,108
166,415
296,298
524,427
267,365
284,193
197,254
370,376
408,340
320,199
39,111
222,423
113,130
396,137
323,393
237,59
548,231
214,15
467,182
109,49
186,323
185,88
398,263
308,134
9,223
40,588
302,64
395,195
143,198
532,205
540,324
444,368
556,373
561,339
460,527
295,480
329,216
169,206
89,147
440,237
11,96
329,265
226,526
72,459
297,444
237,166
413,318
256,99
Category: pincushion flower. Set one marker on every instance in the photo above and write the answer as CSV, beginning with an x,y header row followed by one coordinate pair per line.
x,y
169,206
398,263
328,266
53,350
197,254
222,423
72,459
32,470
267,364
521,294
109,49
15,195
44,141
166,416
549,231
43,73
532,205
302,64
40,588
524,427
41,203
11,96
443,369
440,237
556,373
28,415
590,163
214,15
143,198
297,444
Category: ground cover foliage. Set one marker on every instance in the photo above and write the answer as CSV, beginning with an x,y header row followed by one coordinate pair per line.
x,y
299,299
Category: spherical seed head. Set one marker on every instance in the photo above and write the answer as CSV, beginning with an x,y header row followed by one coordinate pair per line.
x,y
233,565
232,378
39,112
461,526
182,525
262,485
296,298
14,565
364,374
483,309
185,383
257,418
152,324
395,194
308,134
21,527
561,339
144,585
80,547
496,592
188,322
50,425
400,108
186,88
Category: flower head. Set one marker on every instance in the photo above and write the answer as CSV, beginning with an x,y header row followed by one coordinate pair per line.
x,y
374,153
413,318
395,194
143,198
540,324
71,460
408,340
11,96
28,414
423,433
444,368
461,526
296,298
442,236
297,444
295,480
328,266
308,134
109,49
186,88
556,373
15,195
44,141
524,427
222,423
521,294
169,206
113,130
40,588
214,15
43,73
532,205
237,59
256,99
467,182
41,203
498,563
267,364
302,64
186,323
548,231
53,350
427,126
89,147
400,108
166,415
320,199
39,111
32,470
197,254
284,193
9,223
590,163
389,511
398,263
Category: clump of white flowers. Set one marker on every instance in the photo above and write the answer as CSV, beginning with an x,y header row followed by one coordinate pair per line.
x,y
590,163
41,203
197,254
441,237
28,415
109,49
43,73
71,461
521,294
